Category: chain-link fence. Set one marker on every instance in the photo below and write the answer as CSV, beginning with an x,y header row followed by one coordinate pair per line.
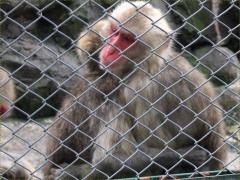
x,y
106,89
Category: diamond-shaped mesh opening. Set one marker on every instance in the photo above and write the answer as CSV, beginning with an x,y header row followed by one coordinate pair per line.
x,y
57,17
14,14
119,89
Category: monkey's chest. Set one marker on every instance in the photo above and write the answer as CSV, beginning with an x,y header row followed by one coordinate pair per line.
x,y
154,130
159,120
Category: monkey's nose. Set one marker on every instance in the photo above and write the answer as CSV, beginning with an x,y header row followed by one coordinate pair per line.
x,y
111,50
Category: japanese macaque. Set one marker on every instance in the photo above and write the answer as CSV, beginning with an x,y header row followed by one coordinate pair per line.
x,y
9,169
142,108
7,93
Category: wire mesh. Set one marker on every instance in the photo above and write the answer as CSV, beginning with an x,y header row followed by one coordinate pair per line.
x,y
69,113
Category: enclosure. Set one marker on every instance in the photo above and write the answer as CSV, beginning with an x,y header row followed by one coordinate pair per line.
x,y
41,71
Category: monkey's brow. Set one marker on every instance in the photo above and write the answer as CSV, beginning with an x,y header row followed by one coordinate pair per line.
x,y
121,28
125,31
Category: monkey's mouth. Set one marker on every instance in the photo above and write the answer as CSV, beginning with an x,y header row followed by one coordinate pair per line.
x,y
111,61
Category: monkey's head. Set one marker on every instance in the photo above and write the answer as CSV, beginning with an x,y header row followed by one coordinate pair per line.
x,y
134,31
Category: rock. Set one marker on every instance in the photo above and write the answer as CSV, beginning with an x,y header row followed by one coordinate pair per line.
x,y
14,3
22,14
189,18
89,10
229,24
11,170
196,23
230,101
42,73
24,142
220,62
233,145
25,16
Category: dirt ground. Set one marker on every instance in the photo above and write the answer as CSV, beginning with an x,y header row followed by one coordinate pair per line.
x,y
28,139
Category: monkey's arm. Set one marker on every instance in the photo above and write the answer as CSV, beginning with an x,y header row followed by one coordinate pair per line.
x,y
63,134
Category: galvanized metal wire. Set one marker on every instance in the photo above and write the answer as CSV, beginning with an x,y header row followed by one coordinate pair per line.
x,y
76,72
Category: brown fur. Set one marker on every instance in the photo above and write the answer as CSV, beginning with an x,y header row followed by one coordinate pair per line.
x,y
7,89
8,168
76,109
163,103
88,45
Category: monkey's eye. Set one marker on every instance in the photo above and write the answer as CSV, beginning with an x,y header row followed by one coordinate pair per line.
x,y
113,28
128,37
114,31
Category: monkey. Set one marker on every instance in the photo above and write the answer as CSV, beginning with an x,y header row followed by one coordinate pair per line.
x,y
8,169
7,92
145,105
88,48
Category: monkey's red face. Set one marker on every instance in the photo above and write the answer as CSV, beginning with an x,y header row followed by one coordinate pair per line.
x,y
119,42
